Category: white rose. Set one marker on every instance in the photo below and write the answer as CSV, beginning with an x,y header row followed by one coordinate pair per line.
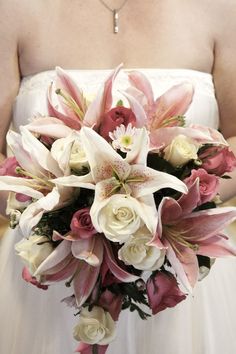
x,y
119,218
95,326
181,150
33,251
78,160
68,152
139,254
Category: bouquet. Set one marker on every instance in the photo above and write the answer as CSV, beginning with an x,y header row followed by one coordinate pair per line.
x,y
117,200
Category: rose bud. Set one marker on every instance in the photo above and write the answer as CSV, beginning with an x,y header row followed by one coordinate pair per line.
x,y
208,184
218,160
163,292
112,303
81,224
114,118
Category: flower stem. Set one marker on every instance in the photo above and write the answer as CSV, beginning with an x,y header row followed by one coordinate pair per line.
x,y
95,349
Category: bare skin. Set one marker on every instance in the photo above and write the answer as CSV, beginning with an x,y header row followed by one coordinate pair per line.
x,y
190,34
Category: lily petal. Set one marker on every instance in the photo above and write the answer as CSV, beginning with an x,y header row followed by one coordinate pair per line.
x,y
118,272
178,267
102,102
89,250
84,281
55,258
19,185
104,161
49,126
152,181
173,102
139,80
33,213
140,114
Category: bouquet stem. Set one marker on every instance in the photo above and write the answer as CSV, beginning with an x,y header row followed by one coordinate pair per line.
x,y
95,349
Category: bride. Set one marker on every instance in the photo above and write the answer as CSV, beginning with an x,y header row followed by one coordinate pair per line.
x,y
171,41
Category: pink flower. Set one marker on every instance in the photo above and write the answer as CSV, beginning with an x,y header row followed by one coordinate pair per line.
x,y
187,233
30,279
84,348
114,118
111,303
208,184
218,160
81,224
8,167
163,292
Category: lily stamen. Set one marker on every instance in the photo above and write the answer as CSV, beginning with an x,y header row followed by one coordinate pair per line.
x,y
42,182
70,102
178,237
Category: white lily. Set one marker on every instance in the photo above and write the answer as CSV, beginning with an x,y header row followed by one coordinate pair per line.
x,y
111,174
39,167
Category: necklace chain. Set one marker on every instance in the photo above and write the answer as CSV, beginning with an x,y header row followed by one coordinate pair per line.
x,y
115,13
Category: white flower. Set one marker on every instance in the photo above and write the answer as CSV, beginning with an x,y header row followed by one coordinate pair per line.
x,y
119,218
78,160
138,253
181,150
95,327
124,137
33,251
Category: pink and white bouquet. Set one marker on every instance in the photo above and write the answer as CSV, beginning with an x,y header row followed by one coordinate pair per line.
x,y
119,202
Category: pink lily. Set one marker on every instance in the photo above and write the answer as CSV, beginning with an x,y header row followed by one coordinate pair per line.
x,y
187,234
80,259
72,107
162,137
166,109
111,174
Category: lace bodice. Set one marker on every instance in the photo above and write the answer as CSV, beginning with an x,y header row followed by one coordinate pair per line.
x,y
31,99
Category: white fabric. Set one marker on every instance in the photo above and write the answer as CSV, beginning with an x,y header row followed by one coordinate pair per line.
x,y
33,321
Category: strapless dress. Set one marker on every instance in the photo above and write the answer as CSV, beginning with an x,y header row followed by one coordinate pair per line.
x,y
33,321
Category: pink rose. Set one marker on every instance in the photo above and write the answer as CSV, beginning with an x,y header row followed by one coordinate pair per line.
x,y
81,224
208,184
218,160
114,118
111,303
84,348
30,279
163,292
8,167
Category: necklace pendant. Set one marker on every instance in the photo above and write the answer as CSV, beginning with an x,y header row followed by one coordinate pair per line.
x,y
115,21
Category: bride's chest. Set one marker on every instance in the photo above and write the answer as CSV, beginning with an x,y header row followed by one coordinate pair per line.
x,y
151,34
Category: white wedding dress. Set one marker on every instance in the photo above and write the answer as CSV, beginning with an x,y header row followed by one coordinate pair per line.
x,y
33,321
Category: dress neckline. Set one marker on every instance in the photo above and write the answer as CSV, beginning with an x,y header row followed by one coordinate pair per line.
x,y
170,71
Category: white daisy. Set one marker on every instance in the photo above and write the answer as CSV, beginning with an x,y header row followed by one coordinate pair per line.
x,y
124,137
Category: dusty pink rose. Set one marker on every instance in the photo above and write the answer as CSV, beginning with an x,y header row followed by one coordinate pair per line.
x,y
112,303
114,118
30,279
81,224
84,348
218,160
163,292
8,167
208,184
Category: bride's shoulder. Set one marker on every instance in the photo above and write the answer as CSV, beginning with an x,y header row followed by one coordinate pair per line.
x,y
17,14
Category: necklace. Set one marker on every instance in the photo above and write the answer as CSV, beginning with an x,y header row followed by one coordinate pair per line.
x,y
115,13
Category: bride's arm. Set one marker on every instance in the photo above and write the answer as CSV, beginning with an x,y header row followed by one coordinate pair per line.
x,y
224,74
9,74
9,70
